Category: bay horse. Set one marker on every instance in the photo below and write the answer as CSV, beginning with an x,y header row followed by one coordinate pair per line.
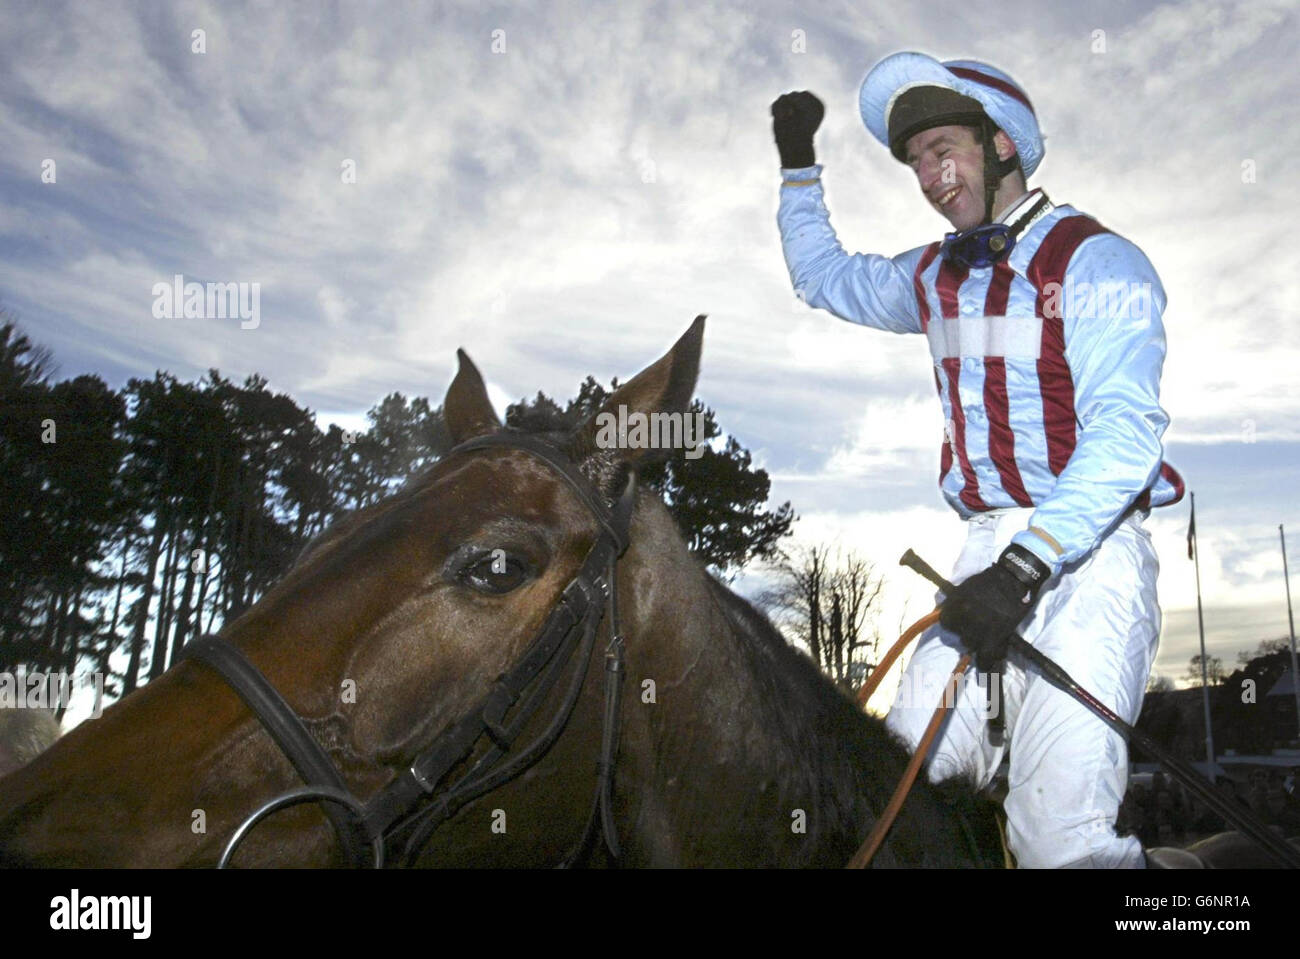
x,y
732,748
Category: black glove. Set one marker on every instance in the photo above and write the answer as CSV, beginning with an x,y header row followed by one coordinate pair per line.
x,y
795,118
986,609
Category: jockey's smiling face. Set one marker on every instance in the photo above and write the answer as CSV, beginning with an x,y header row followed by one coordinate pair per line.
x,y
949,166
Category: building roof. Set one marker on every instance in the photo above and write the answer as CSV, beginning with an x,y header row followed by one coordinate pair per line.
x,y
1283,687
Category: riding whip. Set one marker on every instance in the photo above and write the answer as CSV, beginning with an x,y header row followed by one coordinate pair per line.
x,y
1243,819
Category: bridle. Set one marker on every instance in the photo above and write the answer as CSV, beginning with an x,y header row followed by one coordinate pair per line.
x,y
417,801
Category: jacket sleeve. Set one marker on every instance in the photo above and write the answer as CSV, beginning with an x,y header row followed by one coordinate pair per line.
x,y
1112,303
862,288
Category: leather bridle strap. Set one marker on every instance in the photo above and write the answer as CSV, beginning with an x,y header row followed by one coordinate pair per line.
x,y
572,622
601,818
486,774
279,719
563,468
577,604
405,802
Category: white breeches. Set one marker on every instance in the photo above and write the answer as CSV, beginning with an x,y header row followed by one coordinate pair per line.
x,y
1100,621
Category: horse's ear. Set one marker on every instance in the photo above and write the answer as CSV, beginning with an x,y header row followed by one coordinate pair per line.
x,y
466,409
665,386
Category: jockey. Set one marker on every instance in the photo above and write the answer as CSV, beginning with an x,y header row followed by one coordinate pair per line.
x,y
1046,343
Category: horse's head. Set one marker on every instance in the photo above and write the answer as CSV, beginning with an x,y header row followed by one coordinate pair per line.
x,y
393,625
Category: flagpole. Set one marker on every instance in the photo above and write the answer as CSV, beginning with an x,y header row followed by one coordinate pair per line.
x,y
1200,620
1295,675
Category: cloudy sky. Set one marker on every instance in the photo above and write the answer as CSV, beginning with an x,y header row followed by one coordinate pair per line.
x,y
560,189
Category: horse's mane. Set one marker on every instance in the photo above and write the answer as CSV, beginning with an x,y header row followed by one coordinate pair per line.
x,y
839,753
828,733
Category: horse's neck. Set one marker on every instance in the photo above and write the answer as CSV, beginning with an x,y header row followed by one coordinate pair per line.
x,y
746,755
743,750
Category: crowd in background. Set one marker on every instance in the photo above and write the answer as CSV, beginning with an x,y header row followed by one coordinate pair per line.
x,y
1162,812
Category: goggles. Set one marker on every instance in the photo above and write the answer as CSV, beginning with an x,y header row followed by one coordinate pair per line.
x,y
986,244
979,246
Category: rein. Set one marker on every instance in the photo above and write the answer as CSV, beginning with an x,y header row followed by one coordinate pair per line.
x,y
414,804
871,845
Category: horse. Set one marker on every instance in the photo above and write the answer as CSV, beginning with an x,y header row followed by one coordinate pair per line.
x,y
732,748
382,668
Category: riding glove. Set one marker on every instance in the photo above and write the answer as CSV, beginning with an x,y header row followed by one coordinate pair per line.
x,y
795,118
985,609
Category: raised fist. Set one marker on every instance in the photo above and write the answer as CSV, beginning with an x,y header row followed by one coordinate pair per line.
x,y
795,118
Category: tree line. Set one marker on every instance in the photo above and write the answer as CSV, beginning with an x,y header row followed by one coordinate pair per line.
x,y
1245,719
134,520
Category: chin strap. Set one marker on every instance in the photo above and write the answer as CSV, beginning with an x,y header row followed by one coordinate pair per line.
x,y
994,168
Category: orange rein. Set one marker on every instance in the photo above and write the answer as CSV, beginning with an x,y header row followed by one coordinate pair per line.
x,y
872,843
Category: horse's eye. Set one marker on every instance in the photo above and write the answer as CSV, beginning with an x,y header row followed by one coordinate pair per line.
x,y
496,573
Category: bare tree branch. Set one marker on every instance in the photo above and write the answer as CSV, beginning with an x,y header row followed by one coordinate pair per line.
x,y
829,600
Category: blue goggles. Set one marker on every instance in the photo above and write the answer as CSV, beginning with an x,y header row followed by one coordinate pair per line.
x,y
980,246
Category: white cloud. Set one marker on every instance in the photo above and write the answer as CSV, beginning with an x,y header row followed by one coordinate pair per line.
x,y
566,208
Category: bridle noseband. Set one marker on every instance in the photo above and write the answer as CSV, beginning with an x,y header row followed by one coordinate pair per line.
x,y
414,804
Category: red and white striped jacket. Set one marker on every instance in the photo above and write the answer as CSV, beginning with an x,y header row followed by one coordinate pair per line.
x,y
1047,364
